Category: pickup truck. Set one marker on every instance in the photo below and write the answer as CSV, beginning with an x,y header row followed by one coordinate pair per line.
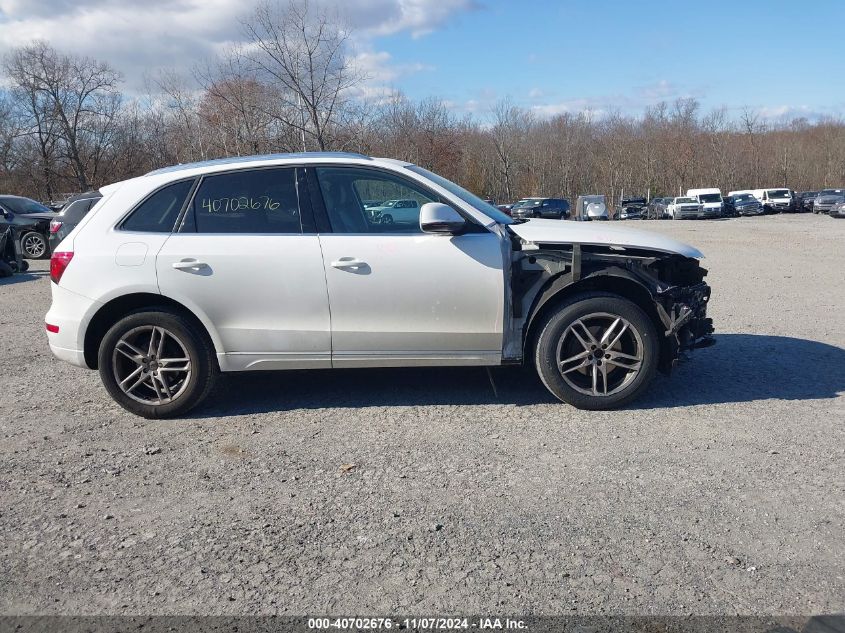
x,y
273,262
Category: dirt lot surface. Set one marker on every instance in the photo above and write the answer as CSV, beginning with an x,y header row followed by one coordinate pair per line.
x,y
421,491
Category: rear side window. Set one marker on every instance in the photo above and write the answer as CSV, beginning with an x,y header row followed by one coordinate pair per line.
x,y
158,213
248,201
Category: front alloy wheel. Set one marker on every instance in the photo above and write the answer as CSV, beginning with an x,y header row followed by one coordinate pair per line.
x,y
597,351
599,354
156,364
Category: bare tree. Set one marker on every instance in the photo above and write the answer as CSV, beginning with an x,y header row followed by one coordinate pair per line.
x,y
509,124
303,53
78,94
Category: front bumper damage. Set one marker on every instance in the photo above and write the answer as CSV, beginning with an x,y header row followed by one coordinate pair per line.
x,y
683,311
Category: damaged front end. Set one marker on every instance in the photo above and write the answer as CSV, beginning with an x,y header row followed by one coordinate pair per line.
x,y
669,287
680,298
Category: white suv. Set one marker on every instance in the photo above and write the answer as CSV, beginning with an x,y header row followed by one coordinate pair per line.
x,y
273,262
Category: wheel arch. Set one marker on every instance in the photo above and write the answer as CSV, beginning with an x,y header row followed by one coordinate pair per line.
x,y
117,308
561,289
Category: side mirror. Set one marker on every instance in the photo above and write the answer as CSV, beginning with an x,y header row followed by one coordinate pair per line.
x,y
441,218
8,215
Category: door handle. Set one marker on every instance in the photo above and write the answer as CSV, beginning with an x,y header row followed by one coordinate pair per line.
x,y
188,264
348,262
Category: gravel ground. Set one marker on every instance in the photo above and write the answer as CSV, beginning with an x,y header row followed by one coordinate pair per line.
x,y
423,491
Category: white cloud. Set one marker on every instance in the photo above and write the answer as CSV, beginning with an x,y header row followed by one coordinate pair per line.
x,y
140,38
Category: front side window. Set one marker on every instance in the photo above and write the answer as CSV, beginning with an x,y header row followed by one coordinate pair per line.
x,y
158,213
251,201
345,190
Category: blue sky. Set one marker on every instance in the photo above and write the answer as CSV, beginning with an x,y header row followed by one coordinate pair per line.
x,y
782,57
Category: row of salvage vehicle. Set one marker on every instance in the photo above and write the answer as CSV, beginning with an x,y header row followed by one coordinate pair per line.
x,y
697,204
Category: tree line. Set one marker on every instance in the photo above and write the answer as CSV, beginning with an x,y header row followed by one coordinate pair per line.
x,y
67,126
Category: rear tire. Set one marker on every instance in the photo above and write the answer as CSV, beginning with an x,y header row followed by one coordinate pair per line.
x,y
34,245
574,366
155,364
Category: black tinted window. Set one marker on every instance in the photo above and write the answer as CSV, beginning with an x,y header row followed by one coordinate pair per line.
x,y
248,201
157,214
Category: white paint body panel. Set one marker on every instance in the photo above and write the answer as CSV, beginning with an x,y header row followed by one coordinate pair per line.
x,y
415,299
599,233
265,296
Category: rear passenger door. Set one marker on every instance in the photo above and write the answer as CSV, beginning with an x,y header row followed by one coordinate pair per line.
x,y
247,259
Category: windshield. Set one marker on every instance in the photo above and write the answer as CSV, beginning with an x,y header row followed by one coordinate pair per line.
x,y
779,193
743,197
470,198
24,205
831,192
709,197
686,201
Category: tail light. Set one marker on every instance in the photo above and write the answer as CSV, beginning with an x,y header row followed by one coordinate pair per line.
x,y
58,264
55,225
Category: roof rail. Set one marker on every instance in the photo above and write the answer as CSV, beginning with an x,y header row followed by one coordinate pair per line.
x,y
255,158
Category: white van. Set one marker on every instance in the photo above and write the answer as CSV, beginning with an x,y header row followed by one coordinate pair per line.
x,y
774,200
710,199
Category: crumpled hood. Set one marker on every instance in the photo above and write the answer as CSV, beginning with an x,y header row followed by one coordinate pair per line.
x,y
600,234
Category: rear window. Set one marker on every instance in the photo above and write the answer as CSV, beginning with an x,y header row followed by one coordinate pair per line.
x,y
76,210
158,213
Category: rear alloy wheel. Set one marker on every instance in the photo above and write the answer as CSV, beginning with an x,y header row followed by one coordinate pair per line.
x,y
155,365
33,245
599,351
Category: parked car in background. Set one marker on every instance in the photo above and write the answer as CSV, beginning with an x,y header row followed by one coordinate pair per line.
x,y
656,209
837,210
742,204
553,208
33,221
591,207
396,211
505,208
804,201
631,208
685,208
774,200
826,199
271,262
710,200
76,208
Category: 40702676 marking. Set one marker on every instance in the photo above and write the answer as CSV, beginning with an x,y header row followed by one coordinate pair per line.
x,y
239,203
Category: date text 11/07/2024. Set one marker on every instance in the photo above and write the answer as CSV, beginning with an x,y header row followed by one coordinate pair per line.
x,y
423,623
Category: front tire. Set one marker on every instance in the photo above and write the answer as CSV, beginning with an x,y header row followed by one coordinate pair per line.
x,y
33,245
154,364
597,351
